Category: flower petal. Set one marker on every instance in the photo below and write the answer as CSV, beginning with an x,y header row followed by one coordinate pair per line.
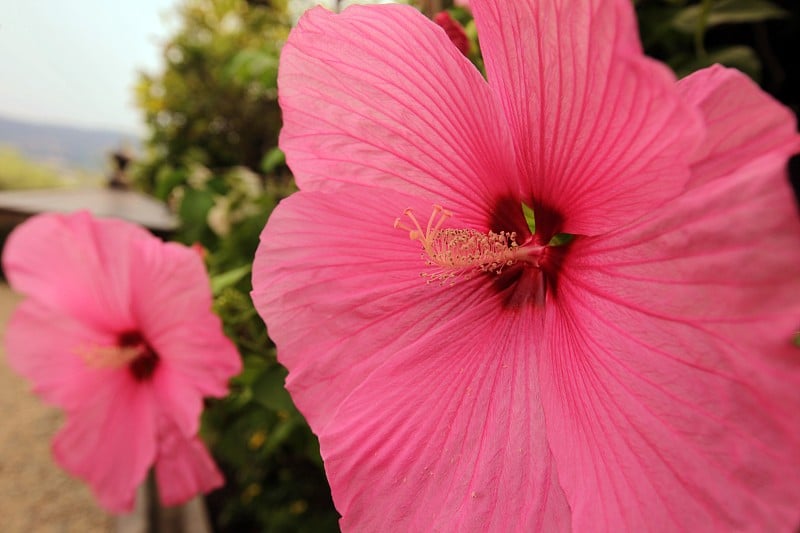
x,y
331,266
95,257
51,360
451,427
600,133
414,389
743,121
670,381
111,442
378,95
184,467
172,306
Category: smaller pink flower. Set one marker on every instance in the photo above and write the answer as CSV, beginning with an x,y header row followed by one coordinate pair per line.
x,y
117,330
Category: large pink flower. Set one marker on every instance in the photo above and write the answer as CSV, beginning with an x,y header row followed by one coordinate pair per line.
x,y
483,377
117,330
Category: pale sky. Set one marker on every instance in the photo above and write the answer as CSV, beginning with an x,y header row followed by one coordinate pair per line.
x,y
75,62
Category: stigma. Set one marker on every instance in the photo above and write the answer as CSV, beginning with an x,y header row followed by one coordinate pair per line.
x,y
462,252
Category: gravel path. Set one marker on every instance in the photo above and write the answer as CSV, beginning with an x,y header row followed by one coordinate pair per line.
x,y
35,494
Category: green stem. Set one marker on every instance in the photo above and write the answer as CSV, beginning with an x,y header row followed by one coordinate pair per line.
x,y
700,31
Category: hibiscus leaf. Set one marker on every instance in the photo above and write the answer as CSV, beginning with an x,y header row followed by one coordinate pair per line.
x,y
729,12
280,434
228,278
269,391
529,218
193,212
272,160
743,58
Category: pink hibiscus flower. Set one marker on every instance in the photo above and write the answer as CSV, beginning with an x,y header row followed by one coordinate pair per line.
x,y
117,330
486,375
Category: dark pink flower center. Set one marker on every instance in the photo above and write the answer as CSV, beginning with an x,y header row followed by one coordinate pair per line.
x,y
144,364
524,285
524,263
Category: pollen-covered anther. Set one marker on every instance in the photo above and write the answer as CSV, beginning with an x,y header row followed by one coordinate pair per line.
x,y
459,251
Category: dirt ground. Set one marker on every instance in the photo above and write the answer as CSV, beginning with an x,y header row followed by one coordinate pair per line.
x,y
35,494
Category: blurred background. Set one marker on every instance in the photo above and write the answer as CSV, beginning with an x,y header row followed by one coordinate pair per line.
x,y
175,102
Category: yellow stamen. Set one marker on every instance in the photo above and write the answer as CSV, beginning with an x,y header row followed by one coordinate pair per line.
x,y
459,251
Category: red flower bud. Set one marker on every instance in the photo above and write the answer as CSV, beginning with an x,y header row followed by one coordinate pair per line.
x,y
454,30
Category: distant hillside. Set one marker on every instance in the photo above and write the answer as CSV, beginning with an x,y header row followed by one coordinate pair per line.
x,y
64,146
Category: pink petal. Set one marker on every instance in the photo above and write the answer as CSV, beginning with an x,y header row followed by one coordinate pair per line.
x,y
600,132
178,396
111,442
404,382
378,95
76,265
328,269
172,307
451,427
669,380
43,346
184,467
743,121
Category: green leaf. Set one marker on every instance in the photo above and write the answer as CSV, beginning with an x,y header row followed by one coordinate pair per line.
x,y
193,211
655,23
728,12
229,278
743,58
279,435
166,180
272,160
269,390
561,239
259,66
529,218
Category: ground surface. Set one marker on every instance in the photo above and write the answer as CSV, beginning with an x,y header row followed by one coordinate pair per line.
x,y
35,495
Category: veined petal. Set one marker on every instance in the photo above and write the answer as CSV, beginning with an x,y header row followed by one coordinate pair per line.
x,y
332,273
600,133
670,381
414,389
451,426
111,442
172,305
46,250
743,122
378,95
